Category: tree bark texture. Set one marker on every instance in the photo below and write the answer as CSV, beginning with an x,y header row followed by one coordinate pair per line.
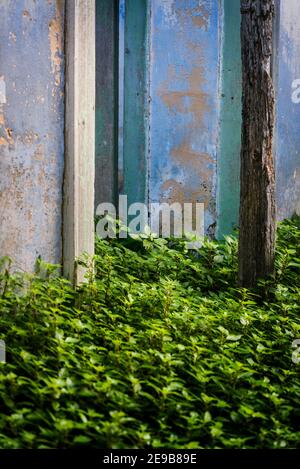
x,y
257,200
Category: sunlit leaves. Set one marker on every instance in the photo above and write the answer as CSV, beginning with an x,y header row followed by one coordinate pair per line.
x,y
158,349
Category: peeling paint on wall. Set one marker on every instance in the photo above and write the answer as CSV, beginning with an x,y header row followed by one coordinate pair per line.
x,y
288,111
56,41
31,130
168,9
184,103
2,90
192,99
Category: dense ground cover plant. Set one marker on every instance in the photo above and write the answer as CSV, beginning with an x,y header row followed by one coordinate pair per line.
x,y
158,349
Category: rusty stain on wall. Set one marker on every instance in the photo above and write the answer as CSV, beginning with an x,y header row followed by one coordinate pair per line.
x,y
200,14
26,14
196,164
175,192
186,156
3,141
56,41
190,100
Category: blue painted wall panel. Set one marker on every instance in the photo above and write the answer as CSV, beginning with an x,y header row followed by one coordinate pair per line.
x,y
288,110
185,133
184,62
31,129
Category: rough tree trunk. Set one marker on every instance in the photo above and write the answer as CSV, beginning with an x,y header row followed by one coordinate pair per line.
x,y
257,203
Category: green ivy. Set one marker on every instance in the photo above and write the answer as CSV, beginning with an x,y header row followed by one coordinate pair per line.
x,y
158,349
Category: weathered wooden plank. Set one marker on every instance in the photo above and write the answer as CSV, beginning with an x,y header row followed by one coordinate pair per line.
x,y
106,152
78,233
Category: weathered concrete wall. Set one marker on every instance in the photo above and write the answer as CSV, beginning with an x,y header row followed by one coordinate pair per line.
x,y
181,114
31,129
184,110
182,106
288,109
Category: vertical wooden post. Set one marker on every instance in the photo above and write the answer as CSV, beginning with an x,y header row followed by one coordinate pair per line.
x,y
78,224
257,208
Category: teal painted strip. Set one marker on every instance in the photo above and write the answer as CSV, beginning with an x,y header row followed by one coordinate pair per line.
x,y
230,121
122,7
106,154
135,101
